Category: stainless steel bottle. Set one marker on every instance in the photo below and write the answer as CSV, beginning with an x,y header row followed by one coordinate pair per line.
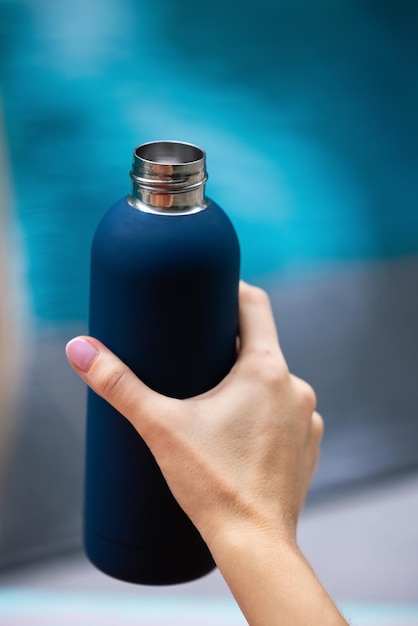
x,y
164,298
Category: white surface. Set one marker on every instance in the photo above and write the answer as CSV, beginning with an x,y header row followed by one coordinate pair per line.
x,y
364,547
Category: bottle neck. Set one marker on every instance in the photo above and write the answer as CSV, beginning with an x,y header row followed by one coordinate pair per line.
x,y
168,177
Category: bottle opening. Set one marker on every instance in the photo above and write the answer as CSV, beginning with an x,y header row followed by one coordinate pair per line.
x,y
168,176
169,152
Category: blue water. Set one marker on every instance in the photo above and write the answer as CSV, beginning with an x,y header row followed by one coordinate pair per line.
x,y
307,112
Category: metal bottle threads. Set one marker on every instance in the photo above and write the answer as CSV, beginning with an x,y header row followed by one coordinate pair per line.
x,y
168,177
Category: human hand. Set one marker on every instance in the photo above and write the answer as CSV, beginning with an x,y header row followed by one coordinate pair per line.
x,y
240,456
239,459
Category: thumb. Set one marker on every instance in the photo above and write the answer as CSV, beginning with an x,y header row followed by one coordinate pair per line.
x,y
111,379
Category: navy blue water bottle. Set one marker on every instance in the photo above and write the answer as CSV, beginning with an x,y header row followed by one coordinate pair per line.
x,y
164,297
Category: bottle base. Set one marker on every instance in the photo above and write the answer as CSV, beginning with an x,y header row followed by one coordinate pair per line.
x,y
148,566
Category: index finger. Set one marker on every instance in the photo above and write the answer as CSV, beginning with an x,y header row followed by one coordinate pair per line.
x,y
257,328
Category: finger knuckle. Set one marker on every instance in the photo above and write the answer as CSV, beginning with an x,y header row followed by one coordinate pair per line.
x,y
306,395
269,369
111,384
318,426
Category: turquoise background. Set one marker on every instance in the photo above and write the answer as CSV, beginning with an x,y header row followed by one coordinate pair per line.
x,y
307,111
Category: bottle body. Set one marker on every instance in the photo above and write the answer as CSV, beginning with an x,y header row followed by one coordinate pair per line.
x,y
164,298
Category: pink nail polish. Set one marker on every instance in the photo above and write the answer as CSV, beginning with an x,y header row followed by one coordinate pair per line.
x,y
81,353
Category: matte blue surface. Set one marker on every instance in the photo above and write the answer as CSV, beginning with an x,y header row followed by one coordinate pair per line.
x,y
307,112
164,298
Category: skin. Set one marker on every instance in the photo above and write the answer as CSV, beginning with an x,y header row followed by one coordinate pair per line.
x,y
239,459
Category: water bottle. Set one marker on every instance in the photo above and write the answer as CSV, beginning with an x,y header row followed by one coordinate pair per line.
x,y
164,298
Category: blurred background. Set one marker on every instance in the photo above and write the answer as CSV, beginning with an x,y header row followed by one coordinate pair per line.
x,y
308,114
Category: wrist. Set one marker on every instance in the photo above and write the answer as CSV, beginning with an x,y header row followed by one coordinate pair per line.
x,y
238,530
271,579
246,540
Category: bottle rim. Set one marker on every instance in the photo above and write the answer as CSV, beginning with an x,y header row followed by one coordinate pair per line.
x,y
168,175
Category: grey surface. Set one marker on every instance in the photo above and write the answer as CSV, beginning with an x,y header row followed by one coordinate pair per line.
x,y
353,335
41,489
364,545
350,332
363,548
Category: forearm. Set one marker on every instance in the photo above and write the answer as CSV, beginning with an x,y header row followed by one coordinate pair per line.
x,y
272,582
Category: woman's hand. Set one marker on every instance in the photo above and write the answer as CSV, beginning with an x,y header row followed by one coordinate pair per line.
x,y
242,453
239,459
